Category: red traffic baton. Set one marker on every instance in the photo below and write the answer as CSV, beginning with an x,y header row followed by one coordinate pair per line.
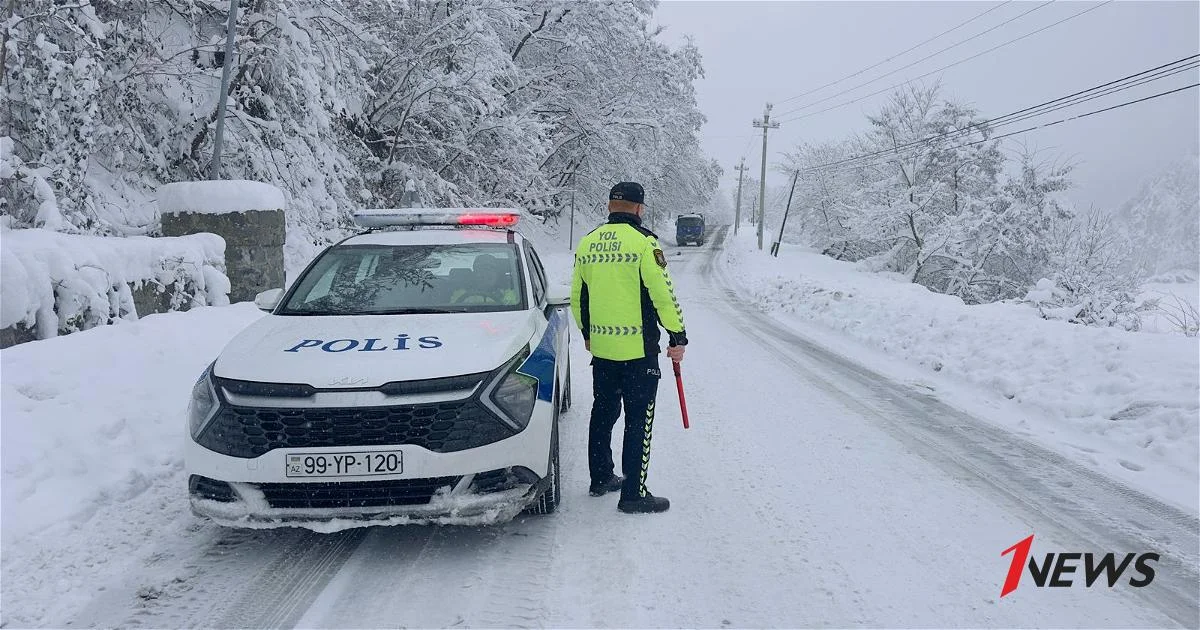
x,y
682,400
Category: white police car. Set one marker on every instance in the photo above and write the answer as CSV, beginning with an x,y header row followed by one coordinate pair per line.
x,y
412,373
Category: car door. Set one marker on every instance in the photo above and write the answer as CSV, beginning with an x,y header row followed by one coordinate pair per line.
x,y
555,318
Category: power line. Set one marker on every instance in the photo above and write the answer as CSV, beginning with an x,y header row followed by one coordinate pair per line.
x,y
857,163
925,58
1083,96
945,67
899,54
1106,92
849,167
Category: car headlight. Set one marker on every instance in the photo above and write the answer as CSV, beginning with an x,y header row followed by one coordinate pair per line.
x,y
204,403
511,395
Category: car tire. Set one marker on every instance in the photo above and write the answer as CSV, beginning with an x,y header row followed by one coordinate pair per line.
x,y
549,499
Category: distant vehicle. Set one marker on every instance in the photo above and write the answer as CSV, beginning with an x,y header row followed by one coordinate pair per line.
x,y
412,375
689,228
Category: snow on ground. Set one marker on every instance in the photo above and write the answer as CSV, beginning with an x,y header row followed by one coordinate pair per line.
x,y
1124,402
1178,299
92,433
96,529
91,421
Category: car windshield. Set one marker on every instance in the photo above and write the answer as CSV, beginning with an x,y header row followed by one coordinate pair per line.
x,y
690,222
394,280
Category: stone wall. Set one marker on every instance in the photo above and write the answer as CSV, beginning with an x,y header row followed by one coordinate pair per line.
x,y
253,246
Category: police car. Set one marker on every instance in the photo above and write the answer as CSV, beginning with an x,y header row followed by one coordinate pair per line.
x,y
412,373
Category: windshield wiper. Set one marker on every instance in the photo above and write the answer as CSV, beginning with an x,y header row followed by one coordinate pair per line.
x,y
415,311
397,311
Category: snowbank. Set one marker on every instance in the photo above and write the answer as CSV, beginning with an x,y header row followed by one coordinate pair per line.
x,y
1131,399
219,197
91,448
76,434
63,283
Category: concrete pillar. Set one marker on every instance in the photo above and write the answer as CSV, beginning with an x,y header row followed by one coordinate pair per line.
x,y
248,215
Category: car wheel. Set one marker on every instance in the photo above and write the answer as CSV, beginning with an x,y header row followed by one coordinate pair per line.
x,y
548,501
565,405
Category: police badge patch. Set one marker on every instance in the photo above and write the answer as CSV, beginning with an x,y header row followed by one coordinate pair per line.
x,y
660,258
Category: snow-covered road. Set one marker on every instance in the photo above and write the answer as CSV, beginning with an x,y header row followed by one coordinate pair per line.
x,y
809,491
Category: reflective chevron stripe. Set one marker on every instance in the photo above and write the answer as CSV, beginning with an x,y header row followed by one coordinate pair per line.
x,y
646,450
619,331
593,259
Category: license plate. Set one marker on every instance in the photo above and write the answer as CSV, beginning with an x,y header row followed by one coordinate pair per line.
x,y
345,464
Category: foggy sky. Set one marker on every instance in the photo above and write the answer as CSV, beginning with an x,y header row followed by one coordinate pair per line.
x,y
755,52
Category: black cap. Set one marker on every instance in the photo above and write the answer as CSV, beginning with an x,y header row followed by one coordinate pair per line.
x,y
628,191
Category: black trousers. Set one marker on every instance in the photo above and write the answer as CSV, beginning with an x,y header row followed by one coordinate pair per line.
x,y
634,383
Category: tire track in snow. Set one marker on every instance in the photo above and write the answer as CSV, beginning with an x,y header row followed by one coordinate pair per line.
x,y
204,575
285,588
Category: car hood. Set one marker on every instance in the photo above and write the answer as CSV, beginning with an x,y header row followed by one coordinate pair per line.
x,y
370,350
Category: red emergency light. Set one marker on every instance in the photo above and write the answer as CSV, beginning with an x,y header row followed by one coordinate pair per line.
x,y
490,220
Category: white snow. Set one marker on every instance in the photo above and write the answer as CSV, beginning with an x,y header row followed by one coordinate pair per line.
x,y
219,197
852,529
93,424
1125,402
1176,303
63,282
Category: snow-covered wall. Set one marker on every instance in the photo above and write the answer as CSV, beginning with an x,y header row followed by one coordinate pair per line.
x,y
53,283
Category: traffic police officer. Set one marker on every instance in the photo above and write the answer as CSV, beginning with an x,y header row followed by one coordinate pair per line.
x,y
620,294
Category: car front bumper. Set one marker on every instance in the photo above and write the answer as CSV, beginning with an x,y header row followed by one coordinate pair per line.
x,y
459,503
432,487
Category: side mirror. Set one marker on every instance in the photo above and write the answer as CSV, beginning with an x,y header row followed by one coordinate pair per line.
x,y
268,300
558,296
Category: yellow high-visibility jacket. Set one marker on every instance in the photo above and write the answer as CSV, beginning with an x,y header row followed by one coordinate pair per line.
x,y
621,291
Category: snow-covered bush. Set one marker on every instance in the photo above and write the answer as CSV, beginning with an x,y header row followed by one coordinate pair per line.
x,y
1089,279
57,283
1182,315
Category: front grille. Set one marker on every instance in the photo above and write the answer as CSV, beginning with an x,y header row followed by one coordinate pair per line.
x,y
354,494
443,427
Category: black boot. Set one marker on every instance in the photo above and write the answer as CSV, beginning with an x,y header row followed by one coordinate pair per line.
x,y
648,504
602,488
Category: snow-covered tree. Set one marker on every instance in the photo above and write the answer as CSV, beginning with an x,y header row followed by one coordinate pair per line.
x,y
1163,220
343,104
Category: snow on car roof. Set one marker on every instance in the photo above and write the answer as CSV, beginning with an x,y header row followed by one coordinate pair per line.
x,y
431,236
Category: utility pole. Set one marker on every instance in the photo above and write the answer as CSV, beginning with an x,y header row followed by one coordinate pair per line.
x,y
571,243
766,125
737,213
218,139
786,211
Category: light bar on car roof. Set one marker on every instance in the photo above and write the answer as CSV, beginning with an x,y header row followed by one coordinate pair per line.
x,y
467,217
